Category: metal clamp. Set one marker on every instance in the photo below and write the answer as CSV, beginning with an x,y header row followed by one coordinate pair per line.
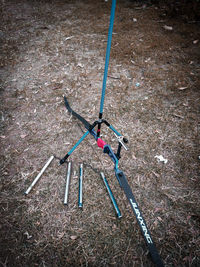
x,y
121,140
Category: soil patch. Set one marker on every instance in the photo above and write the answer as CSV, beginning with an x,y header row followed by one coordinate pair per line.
x,y
54,48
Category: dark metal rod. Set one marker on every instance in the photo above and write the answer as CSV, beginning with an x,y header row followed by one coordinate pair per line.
x,y
118,213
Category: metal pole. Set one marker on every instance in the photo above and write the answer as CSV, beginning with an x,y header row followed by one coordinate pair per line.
x,y
111,195
74,147
80,191
39,175
67,183
112,16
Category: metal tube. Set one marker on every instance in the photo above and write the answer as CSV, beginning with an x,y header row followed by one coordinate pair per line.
x,y
78,143
80,191
114,130
118,213
67,183
39,175
112,16
74,147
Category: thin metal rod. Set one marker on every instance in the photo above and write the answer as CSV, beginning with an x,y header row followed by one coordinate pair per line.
x,y
112,16
78,143
118,213
67,183
114,130
74,147
39,175
80,191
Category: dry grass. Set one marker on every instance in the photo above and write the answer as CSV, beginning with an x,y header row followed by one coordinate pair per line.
x,y
40,64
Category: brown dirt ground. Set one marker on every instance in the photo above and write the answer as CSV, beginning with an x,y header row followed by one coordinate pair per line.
x,y
55,48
